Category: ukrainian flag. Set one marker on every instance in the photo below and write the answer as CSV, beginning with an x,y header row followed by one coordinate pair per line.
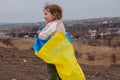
x,y
59,51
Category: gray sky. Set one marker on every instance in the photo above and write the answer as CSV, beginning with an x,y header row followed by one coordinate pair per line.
x,y
32,10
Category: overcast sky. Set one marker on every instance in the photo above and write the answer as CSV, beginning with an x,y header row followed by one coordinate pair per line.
x,y
32,10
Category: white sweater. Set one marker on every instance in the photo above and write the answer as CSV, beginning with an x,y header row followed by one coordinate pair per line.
x,y
51,29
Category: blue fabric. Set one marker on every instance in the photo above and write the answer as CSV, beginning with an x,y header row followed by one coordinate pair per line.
x,y
39,42
68,37
40,28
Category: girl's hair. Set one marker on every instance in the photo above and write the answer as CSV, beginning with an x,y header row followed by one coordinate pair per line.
x,y
55,10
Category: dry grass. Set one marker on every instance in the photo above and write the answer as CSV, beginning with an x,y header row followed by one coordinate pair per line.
x,y
83,48
102,53
22,43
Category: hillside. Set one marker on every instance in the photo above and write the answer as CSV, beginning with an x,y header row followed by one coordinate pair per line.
x,y
67,22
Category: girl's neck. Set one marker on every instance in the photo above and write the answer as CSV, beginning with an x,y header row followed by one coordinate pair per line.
x,y
54,21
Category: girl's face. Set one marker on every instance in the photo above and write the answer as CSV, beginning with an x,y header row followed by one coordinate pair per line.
x,y
48,16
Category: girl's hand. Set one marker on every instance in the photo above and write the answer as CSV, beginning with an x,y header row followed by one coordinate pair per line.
x,y
38,32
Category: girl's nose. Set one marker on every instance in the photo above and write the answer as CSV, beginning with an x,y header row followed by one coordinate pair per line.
x,y
44,17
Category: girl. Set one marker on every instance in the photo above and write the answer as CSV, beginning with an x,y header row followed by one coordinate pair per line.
x,y
53,16
58,50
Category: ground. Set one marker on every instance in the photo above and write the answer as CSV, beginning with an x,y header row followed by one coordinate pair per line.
x,y
17,63
24,65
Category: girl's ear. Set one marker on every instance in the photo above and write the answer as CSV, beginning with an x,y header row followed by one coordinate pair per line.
x,y
54,16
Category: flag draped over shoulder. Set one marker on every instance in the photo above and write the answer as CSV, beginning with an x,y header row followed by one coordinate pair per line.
x,y
59,51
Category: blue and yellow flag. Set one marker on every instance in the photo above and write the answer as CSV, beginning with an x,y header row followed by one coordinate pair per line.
x,y
59,51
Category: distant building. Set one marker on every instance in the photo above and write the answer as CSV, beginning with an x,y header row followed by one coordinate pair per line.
x,y
3,32
92,33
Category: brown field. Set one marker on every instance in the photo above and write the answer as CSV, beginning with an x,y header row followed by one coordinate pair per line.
x,y
18,62
102,54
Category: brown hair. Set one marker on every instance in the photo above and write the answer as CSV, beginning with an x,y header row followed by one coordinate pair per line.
x,y
55,10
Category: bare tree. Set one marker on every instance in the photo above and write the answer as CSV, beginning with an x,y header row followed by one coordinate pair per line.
x,y
7,41
91,57
113,58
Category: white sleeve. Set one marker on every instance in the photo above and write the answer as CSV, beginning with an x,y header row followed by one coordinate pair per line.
x,y
48,32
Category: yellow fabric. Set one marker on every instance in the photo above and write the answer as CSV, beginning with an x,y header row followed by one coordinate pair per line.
x,y
59,51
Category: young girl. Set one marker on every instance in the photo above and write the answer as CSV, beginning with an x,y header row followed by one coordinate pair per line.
x,y
57,50
53,16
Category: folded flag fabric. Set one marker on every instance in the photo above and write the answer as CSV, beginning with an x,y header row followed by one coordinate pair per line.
x,y
39,43
59,51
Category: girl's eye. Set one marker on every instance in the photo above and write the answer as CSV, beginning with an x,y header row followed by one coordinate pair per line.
x,y
45,13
